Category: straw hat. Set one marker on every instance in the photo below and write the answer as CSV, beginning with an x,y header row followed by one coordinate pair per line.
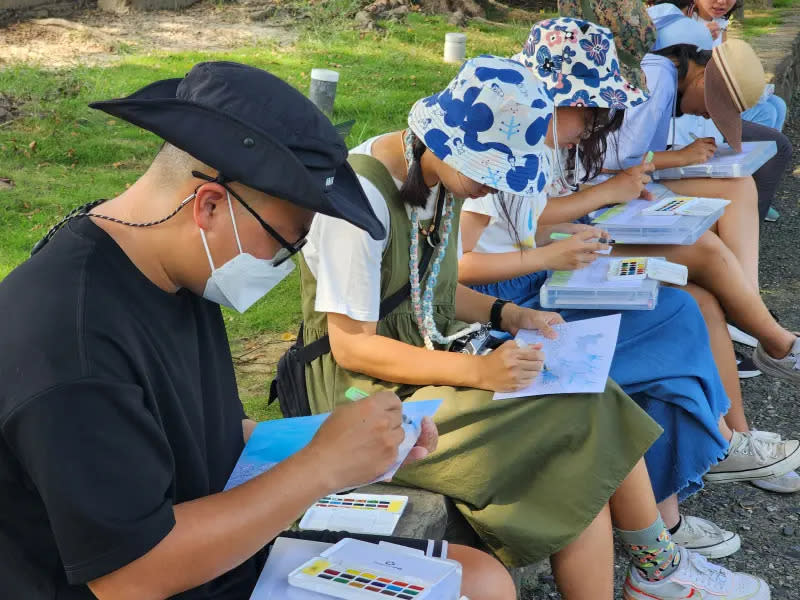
x,y
734,82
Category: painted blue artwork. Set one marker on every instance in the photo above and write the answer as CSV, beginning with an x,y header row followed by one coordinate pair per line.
x,y
578,361
273,441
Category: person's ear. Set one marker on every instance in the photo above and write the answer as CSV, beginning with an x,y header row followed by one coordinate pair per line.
x,y
210,205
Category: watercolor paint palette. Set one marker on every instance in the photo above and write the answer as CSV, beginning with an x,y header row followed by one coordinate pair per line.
x,y
363,580
628,268
357,513
686,206
357,570
591,288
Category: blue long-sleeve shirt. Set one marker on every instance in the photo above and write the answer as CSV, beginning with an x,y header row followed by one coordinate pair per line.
x,y
647,126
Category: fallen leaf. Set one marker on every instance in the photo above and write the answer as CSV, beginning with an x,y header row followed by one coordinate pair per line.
x,y
117,165
288,337
32,145
796,171
111,122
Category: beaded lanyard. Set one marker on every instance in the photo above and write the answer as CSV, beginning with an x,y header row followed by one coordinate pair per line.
x,y
422,303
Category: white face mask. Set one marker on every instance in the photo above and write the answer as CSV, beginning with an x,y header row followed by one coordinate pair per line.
x,y
244,279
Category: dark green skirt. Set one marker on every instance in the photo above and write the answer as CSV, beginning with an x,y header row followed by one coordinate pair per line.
x,y
530,474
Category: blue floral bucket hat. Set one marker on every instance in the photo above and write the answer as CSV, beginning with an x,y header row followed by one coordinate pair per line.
x,y
489,124
578,64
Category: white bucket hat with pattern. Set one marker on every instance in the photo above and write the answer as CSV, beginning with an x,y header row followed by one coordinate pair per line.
x,y
490,124
577,61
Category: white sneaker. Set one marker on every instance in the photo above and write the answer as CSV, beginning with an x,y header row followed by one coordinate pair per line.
x,y
698,579
737,335
787,368
785,484
759,455
706,538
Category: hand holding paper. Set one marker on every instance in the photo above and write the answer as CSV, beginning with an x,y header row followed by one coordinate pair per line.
x,y
358,443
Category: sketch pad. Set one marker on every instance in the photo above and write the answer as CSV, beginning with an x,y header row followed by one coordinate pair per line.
x,y
578,361
726,162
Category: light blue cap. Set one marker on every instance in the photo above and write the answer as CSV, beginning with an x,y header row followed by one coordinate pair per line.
x,y
673,27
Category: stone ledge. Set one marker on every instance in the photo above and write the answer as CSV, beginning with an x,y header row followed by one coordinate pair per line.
x,y
787,73
431,515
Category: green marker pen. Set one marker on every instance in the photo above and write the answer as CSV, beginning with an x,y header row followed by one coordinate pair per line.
x,y
353,393
649,157
565,236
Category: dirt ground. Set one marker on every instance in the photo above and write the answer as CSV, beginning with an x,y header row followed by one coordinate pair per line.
x,y
92,37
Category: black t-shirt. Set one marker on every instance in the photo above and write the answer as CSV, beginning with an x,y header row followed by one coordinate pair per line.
x,y
117,401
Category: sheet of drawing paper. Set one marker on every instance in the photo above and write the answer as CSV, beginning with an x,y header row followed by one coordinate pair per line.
x,y
273,441
578,361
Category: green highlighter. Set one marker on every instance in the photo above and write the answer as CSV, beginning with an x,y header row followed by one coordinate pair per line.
x,y
560,236
353,393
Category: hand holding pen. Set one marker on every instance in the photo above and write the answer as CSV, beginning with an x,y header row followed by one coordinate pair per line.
x,y
701,150
632,181
576,251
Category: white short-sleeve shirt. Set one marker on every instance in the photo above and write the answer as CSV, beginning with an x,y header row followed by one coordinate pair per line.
x,y
346,261
499,236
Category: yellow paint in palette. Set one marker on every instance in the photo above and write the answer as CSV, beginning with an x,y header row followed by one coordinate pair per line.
x,y
316,567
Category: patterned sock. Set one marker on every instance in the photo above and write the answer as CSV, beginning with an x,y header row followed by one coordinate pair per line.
x,y
652,551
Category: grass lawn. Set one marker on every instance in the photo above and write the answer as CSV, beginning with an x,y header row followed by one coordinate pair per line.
x,y
61,154
763,21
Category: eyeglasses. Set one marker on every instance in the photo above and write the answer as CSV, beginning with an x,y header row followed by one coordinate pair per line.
x,y
287,249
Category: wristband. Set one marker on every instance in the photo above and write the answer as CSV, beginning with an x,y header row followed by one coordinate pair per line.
x,y
494,313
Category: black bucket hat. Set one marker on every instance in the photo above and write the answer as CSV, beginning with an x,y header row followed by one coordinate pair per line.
x,y
256,129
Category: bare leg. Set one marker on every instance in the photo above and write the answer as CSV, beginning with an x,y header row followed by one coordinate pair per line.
x,y
633,505
670,513
483,577
738,226
584,570
713,267
724,357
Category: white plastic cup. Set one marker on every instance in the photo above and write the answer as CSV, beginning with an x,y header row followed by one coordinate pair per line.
x,y
455,47
322,91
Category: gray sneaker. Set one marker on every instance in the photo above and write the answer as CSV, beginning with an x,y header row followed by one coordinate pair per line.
x,y
698,579
787,368
756,457
706,538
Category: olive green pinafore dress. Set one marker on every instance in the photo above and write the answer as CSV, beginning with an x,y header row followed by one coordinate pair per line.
x,y
529,474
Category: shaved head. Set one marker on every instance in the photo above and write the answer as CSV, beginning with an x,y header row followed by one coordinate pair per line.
x,y
173,167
